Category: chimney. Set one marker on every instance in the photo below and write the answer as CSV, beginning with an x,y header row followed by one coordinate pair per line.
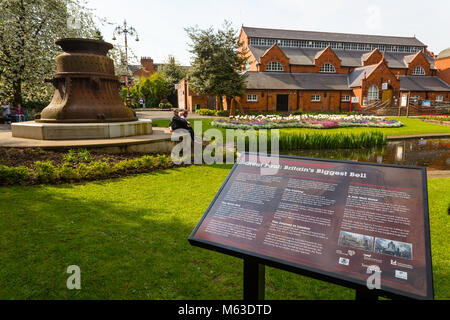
x,y
147,63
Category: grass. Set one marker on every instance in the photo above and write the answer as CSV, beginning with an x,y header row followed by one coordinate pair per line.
x,y
129,237
411,126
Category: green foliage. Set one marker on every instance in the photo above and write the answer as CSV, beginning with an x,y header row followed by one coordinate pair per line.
x,y
45,172
222,113
165,104
13,175
39,231
209,112
67,173
163,161
28,29
218,62
205,112
147,162
172,73
153,89
77,155
296,140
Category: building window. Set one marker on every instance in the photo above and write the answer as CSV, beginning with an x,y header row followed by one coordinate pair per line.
x,y
345,99
327,67
439,98
315,98
373,93
252,98
274,66
418,71
335,45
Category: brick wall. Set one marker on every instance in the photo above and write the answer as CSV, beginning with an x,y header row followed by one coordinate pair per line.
x,y
328,56
443,66
274,54
374,57
419,60
378,76
298,100
431,95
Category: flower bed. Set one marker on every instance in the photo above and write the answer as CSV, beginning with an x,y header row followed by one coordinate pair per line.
x,y
305,121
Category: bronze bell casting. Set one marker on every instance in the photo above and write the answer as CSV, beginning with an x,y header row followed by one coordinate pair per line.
x,y
86,88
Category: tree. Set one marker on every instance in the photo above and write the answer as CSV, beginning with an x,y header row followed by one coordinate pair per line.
x,y
172,73
28,29
153,89
218,63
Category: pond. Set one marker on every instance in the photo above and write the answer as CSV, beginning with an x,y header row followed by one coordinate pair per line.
x,y
431,153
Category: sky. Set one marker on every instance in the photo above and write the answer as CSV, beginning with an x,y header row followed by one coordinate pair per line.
x,y
160,24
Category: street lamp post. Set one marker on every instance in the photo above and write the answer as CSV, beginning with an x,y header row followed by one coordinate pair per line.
x,y
126,30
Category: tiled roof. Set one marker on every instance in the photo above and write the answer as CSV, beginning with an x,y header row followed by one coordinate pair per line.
x,y
296,81
134,67
422,83
349,58
355,77
331,36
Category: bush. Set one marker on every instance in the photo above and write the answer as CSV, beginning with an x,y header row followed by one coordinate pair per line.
x,y
45,171
80,155
163,161
93,170
68,173
223,113
147,162
13,175
165,105
205,112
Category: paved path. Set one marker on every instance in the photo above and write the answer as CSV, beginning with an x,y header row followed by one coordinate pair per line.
x,y
166,115
438,173
419,136
159,134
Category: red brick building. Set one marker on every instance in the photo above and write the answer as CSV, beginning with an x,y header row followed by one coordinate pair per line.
x,y
443,65
145,69
292,70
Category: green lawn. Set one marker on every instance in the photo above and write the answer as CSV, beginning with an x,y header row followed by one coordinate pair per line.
x,y
129,237
411,126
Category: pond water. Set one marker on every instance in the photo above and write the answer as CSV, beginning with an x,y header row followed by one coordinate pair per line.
x,y
431,153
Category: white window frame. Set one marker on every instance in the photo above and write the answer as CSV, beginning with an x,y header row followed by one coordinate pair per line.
x,y
345,98
418,71
274,66
252,97
327,68
315,98
371,93
439,98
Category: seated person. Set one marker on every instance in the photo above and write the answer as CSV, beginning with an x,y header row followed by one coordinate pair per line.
x,y
6,112
19,113
180,123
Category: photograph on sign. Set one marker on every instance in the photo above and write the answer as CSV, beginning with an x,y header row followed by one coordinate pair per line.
x,y
331,218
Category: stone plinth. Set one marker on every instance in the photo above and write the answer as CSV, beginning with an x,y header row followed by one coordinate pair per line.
x,y
79,131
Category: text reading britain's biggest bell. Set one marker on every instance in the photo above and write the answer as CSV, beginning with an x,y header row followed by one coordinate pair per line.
x,y
86,88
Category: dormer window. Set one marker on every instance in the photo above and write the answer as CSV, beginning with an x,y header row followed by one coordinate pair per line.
x,y
418,71
274,66
327,67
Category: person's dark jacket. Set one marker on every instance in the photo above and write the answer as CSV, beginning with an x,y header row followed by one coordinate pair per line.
x,y
179,123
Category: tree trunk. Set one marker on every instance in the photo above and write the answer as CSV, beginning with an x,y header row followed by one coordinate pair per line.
x,y
219,103
17,92
233,108
241,109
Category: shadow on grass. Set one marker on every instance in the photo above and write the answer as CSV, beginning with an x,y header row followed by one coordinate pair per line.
x,y
129,237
